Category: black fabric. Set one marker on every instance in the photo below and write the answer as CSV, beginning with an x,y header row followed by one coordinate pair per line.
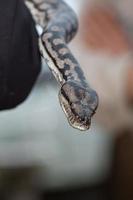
x,y
20,60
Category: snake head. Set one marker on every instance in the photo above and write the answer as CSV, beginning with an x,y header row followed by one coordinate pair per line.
x,y
79,104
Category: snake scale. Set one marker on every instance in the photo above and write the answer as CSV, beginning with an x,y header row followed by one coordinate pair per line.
x,y
78,101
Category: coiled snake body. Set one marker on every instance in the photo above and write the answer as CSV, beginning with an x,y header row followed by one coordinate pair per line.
x,y
59,23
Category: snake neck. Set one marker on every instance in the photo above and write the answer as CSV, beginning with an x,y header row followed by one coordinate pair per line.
x,y
60,59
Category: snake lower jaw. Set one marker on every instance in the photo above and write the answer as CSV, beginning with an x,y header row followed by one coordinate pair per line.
x,y
81,127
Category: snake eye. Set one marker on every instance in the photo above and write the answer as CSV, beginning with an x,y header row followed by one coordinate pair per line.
x,y
92,99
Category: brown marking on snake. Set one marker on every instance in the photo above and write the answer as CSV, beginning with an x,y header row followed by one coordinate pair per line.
x,y
56,28
64,51
47,36
58,41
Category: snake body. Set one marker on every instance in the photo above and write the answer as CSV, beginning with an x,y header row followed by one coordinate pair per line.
x,y
59,23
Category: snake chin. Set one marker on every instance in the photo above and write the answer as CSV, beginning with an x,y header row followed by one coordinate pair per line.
x,y
78,103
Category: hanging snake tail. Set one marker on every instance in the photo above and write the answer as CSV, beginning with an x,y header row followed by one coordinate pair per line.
x,y
77,99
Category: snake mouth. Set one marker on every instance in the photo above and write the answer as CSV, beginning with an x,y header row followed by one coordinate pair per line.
x,y
74,121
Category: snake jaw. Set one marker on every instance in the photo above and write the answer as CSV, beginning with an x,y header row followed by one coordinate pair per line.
x,y
78,105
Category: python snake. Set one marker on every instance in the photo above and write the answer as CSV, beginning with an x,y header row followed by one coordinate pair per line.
x,y
78,101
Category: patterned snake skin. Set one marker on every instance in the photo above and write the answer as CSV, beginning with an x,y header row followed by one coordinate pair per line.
x,y
59,23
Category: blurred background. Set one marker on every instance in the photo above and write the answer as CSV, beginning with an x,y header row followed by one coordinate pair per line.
x,y
41,156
